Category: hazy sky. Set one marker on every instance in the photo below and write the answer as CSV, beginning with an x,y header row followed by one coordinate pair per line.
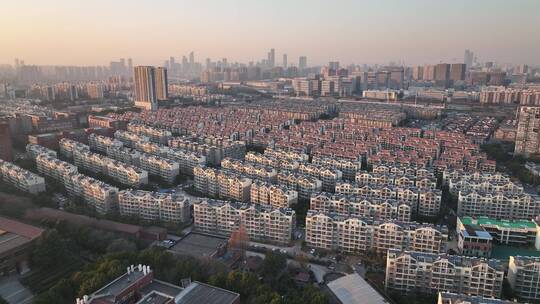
x,y
91,32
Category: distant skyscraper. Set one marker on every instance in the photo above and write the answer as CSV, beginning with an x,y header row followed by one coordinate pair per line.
x,y
130,65
302,63
442,74
457,71
6,149
162,90
191,59
145,87
418,73
429,72
272,58
208,63
468,58
285,61
333,65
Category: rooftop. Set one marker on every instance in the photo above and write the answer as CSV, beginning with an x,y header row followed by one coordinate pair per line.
x,y
202,293
485,221
353,289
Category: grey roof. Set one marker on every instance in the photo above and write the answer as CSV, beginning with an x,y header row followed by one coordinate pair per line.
x,y
352,289
197,293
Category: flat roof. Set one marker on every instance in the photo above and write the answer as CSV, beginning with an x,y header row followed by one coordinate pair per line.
x,y
10,241
20,228
518,224
197,293
198,245
353,289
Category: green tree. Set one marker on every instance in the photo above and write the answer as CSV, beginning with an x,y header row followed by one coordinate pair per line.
x,y
50,250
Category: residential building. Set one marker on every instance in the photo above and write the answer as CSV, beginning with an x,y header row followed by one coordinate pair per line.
x,y
161,167
53,167
528,135
101,143
156,135
146,87
274,195
330,231
130,139
252,171
101,197
306,186
410,271
155,206
32,151
327,175
357,206
262,223
454,298
524,277
21,179
68,147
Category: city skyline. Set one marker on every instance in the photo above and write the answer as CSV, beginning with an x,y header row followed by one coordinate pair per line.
x,y
70,34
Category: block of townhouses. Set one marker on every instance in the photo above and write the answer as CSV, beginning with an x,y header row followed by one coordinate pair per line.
x,y
154,206
21,179
261,222
411,271
356,234
274,195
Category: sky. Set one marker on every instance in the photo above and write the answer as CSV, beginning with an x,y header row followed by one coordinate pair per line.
x,y
94,32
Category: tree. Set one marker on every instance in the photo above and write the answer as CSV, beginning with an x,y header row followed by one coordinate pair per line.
x,y
120,245
50,250
273,265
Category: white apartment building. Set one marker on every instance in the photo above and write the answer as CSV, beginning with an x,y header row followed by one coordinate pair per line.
x,y
222,184
126,174
102,197
349,168
426,202
262,223
287,155
32,151
410,271
164,168
130,139
53,167
274,195
328,176
356,206
154,206
454,298
356,234
21,179
268,161
524,277
156,135
68,146
250,170
187,160
498,205
213,148
124,154
101,143
306,186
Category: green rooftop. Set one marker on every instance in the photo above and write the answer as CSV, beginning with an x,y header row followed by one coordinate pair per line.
x,y
486,221
501,252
